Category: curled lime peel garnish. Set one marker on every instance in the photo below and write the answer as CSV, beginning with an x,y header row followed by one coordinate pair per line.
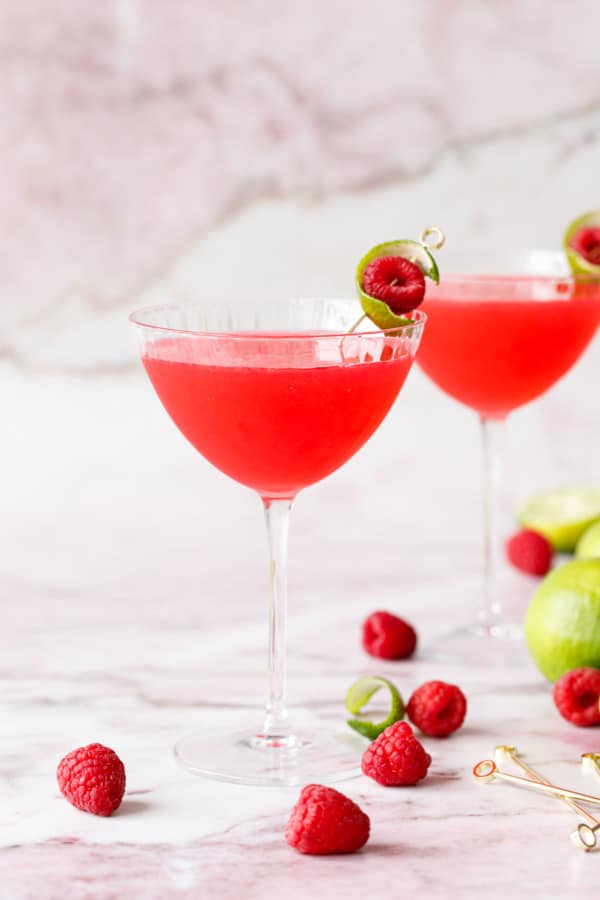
x,y
417,252
579,264
359,695
380,314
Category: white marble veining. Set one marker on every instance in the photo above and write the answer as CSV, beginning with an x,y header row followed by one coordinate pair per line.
x,y
135,135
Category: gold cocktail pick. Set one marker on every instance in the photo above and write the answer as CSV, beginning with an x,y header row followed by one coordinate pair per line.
x,y
590,763
486,770
432,238
584,835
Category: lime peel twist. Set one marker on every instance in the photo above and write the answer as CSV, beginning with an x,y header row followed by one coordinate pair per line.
x,y
417,252
359,695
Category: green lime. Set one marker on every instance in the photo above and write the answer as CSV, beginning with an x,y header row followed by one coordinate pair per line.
x,y
588,545
377,310
359,695
562,515
579,264
562,625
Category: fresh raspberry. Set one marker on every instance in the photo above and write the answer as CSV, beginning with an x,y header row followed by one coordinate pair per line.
x,y
388,637
92,778
437,708
324,821
530,552
587,243
397,281
396,757
577,696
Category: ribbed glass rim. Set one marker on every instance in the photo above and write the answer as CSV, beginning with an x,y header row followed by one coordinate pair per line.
x,y
529,265
508,277
136,318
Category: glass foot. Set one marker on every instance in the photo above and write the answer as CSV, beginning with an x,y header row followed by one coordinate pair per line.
x,y
498,629
493,643
246,758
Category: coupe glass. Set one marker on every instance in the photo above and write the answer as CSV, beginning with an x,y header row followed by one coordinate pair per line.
x,y
497,338
277,398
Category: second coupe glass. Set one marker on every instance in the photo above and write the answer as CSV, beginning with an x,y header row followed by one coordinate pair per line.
x,y
498,337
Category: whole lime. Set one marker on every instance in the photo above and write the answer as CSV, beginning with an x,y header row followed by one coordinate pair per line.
x,y
562,625
588,545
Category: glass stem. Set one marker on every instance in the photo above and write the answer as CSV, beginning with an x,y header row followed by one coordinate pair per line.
x,y
277,515
491,619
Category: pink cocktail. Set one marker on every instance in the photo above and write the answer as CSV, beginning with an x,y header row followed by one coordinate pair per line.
x,y
276,413
496,342
277,398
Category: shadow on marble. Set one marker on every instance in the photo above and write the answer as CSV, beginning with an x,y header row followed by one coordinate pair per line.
x,y
133,807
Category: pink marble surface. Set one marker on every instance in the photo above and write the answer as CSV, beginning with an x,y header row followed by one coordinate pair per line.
x,y
133,585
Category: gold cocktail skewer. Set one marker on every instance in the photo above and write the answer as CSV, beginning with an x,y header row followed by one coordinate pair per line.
x,y
590,762
584,835
486,770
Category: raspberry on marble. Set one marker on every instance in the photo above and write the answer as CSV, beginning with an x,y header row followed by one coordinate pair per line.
x,y
92,778
396,757
577,696
437,708
324,821
387,636
530,552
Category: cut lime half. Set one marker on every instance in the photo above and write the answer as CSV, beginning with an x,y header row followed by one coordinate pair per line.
x,y
562,515
588,545
578,263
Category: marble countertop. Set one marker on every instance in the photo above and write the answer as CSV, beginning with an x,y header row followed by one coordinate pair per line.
x,y
133,590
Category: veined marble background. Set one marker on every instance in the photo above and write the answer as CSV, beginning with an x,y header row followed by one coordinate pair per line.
x,y
178,147
162,149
